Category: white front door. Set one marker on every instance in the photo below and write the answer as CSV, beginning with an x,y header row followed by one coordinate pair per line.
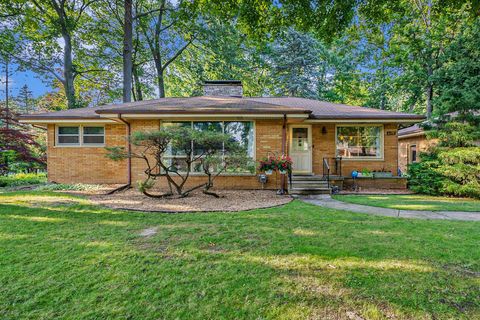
x,y
301,148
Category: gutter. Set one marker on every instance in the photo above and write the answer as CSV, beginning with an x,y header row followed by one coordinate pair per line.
x,y
129,159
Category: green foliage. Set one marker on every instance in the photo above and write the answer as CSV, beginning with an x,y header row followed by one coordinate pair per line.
x,y
68,187
459,79
455,134
22,179
447,171
211,152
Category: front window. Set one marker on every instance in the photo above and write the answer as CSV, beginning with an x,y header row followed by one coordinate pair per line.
x,y
80,136
241,131
359,142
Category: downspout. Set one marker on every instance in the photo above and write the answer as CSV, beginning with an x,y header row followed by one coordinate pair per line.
x,y
129,159
284,142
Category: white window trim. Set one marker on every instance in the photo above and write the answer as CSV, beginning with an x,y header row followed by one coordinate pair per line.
x,y
254,156
382,142
80,143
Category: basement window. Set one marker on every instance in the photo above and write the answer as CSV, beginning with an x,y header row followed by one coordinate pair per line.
x,y
76,136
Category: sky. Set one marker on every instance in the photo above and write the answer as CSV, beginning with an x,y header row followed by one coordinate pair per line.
x,y
18,79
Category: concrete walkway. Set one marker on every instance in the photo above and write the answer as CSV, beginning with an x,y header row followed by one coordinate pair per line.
x,y
329,202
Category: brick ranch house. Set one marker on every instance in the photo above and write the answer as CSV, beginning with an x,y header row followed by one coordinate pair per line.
x,y
317,135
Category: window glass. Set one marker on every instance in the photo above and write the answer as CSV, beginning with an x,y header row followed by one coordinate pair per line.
x,y
93,139
413,153
68,140
176,151
212,126
93,130
359,142
93,135
241,132
300,139
68,135
68,130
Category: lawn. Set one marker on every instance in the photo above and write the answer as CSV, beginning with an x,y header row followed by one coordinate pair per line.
x,y
62,258
413,202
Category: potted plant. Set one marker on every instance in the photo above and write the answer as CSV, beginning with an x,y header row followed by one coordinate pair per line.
x,y
268,164
382,174
284,164
366,173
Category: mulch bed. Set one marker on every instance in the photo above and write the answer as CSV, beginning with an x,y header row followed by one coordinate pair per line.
x,y
231,200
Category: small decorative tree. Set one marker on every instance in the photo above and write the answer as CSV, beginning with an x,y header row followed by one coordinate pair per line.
x,y
164,151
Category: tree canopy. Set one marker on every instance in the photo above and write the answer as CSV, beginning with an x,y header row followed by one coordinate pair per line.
x,y
409,55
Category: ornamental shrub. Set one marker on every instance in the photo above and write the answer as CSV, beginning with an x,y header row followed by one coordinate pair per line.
x,y
22,179
445,171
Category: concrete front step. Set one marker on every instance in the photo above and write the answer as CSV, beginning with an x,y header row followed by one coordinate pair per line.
x,y
306,177
307,191
312,184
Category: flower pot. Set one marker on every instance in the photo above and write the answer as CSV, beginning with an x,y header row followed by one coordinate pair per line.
x,y
268,172
382,174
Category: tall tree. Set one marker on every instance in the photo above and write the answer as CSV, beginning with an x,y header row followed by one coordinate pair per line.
x,y
42,35
25,100
127,50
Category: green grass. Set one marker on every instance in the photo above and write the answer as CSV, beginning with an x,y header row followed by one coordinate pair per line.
x,y
413,202
22,179
62,258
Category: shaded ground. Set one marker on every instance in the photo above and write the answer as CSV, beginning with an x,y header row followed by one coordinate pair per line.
x,y
62,258
413,202
231,200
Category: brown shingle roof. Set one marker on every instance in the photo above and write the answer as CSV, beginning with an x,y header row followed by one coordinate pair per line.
x,y
229,105
328,110
410,130
205,104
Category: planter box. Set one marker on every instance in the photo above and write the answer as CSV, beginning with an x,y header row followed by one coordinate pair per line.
x,y
382,175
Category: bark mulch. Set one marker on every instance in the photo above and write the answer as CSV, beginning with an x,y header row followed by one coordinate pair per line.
x,y
231,200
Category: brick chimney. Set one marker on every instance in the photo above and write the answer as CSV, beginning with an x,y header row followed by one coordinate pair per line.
x,y
226,88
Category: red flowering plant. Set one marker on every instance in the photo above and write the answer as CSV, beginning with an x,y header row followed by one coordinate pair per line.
x,y
284,163
268,164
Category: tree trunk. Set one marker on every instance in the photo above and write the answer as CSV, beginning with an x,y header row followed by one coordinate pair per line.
x,y
137,84
429,93
7,107
127,51
68,72
160,83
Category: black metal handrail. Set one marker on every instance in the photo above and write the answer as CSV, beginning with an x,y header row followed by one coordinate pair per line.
x,y
326,171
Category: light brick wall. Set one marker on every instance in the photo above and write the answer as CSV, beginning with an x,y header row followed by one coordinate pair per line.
x,y
404,149
86,164
89,164
324,147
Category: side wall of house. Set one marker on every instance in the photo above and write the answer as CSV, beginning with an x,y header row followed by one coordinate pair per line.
x,y
324,146
86,164
404,149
